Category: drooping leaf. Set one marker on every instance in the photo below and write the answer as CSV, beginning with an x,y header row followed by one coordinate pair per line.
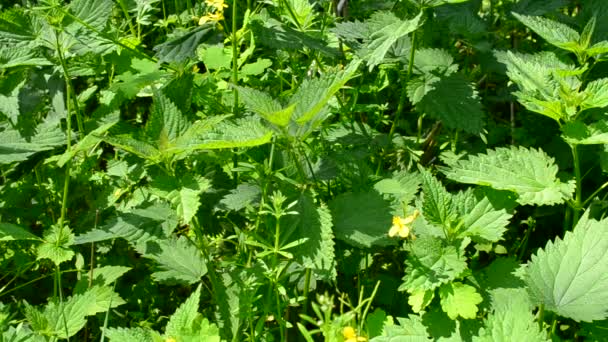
x,y
454,101
578,133
179,49
530,173
15,148
11,232
315,225
570,276
459,300
430,263
179,261
239,198
265,106
554,32
383,39
183,193
362,219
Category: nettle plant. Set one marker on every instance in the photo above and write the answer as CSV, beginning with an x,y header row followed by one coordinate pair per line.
x,y
210,171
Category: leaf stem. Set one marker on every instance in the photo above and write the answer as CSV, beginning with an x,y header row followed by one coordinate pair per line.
x,y
235,66
578,202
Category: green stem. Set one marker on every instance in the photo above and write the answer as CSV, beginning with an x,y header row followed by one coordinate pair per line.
x,y
541,316
553,326
235,60
402,98
590,198
123,6
306,290
578,199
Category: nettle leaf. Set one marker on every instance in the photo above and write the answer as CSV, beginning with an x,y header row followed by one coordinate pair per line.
x,y
570,276
182,321
385,38
21,333
132,334
15,148
16,26
183,193
179,49
437,206
578,133
554,32
93,12
402,186
265,106
180,262
451,99
244,195
511,319
459,300
432,262
409,329
530,173
56,245
12,232
166,122
315,225
597,94
102,276
362,219
482,221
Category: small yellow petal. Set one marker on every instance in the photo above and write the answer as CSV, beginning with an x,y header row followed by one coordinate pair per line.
x,y
349,333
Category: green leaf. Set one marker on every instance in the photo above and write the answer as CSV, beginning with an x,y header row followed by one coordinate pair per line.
x,y
56,244
21,333
315,225
166,122
555,33
420,299
577,133
597,94
179,261
11,232
409,329
430,263
570,276
265,106
386,37
93,12
402,186
459,300
530,173
451,99
598,48
215,57
16,27
183,193
437,206
241,197
511,319
183,320
131,334
102,276
368,225
179,49
482,221
15,148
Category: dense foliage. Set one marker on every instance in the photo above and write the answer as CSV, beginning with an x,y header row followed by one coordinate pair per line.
x,y
381,170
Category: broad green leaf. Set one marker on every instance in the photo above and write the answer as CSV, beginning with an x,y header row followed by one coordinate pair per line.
x,y
555,33
166,122
511,319
437,206
56,245
94,13
577,133
482,222
570,276
313,95
435,3
183,320
105,299
179,261
597,94
453,100
409,329
10,88
11,232
265,106
239,198
16,27
420,299
15,148
21,333
102,276
368,225
530,173
598,48
383,39
131,334
215,57
432,262
14,56
459,300
315,225
178,50
183,193
139,148
402,186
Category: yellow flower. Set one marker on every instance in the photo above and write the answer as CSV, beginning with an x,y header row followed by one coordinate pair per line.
x,y
402,226
170,339
218,4
211,17
350,335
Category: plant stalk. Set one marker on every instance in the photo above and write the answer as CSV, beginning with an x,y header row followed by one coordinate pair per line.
x,y
578,197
